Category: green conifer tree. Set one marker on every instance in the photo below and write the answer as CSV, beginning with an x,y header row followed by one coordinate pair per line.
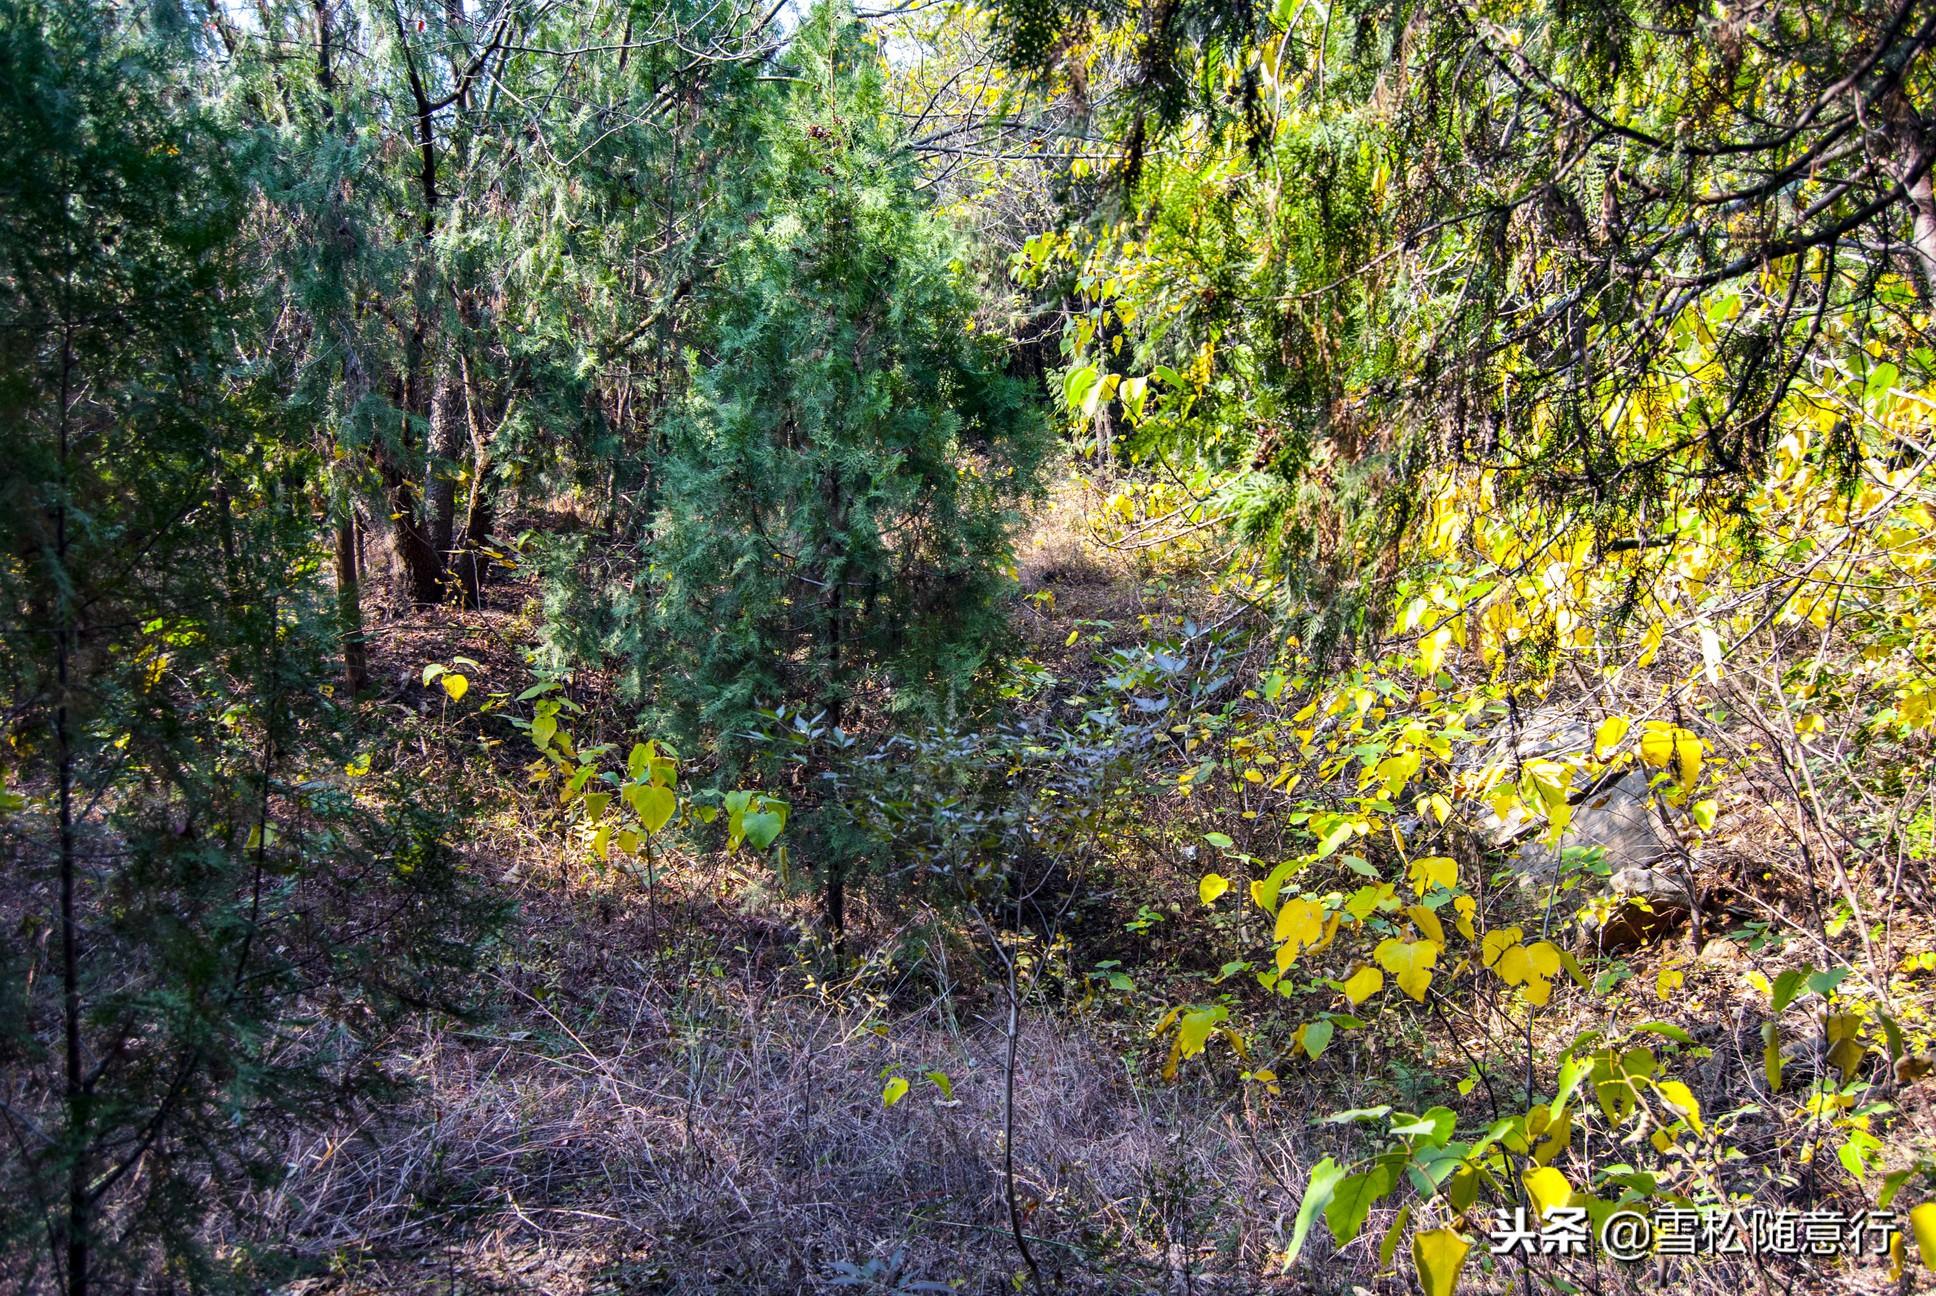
x,y
838,488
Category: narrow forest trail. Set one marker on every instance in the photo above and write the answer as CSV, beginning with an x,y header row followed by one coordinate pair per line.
x,y
669,1089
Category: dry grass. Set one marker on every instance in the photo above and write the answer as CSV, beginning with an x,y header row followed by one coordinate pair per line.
x,y
712,1122
666,1098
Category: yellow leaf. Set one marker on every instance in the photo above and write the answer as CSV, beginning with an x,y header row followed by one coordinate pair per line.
x,y
1194,1030
1496,943
1608,735
1300,921
1410,962
1667,983
1665,744
1073,636
1680,1098
1543,957
1427,923
1431,651
1363,984
1922,1222
1649,646
1547,1188
1549,781
1434,870
455,685
1440,1255
1212,886
1464,907
653,804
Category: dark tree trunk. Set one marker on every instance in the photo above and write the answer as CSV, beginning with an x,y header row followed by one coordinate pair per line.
x,y
447,436
423,577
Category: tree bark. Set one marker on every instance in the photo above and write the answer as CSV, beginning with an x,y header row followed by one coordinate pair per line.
x,y
447,436
1911,141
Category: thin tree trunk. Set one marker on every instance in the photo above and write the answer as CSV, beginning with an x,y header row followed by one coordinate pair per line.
x,y
75,1092
468,562
349,596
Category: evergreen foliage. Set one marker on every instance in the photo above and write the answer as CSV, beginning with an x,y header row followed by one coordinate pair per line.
x,y
838,486
191,876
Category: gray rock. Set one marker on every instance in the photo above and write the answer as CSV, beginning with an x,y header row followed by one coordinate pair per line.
x,y
1617,816
1652,902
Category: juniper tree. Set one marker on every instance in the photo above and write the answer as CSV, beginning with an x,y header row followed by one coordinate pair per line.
x,y
191,876
838,487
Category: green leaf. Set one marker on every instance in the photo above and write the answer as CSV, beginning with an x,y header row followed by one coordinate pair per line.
x,y
431,672
1356,1114
1388,1245
1353,1198
760,827
1194,1030
1572,1072
1435,1127
895,1091
1882,378
943,1083
1220,840
1317,1037
1326,1175
653,805
1824,982
1076,386
1787,986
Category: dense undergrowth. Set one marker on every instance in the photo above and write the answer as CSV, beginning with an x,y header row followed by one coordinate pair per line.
x,y
1189,647
682,1088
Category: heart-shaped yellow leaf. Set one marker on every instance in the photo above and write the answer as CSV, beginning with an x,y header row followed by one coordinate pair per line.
x,y
1363,984
1299,921
653,805
455,685
1211,886
1440,1255
1433,870
1547,1188
1409,962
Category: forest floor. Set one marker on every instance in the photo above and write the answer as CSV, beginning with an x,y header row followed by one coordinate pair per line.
x,y
670,1089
